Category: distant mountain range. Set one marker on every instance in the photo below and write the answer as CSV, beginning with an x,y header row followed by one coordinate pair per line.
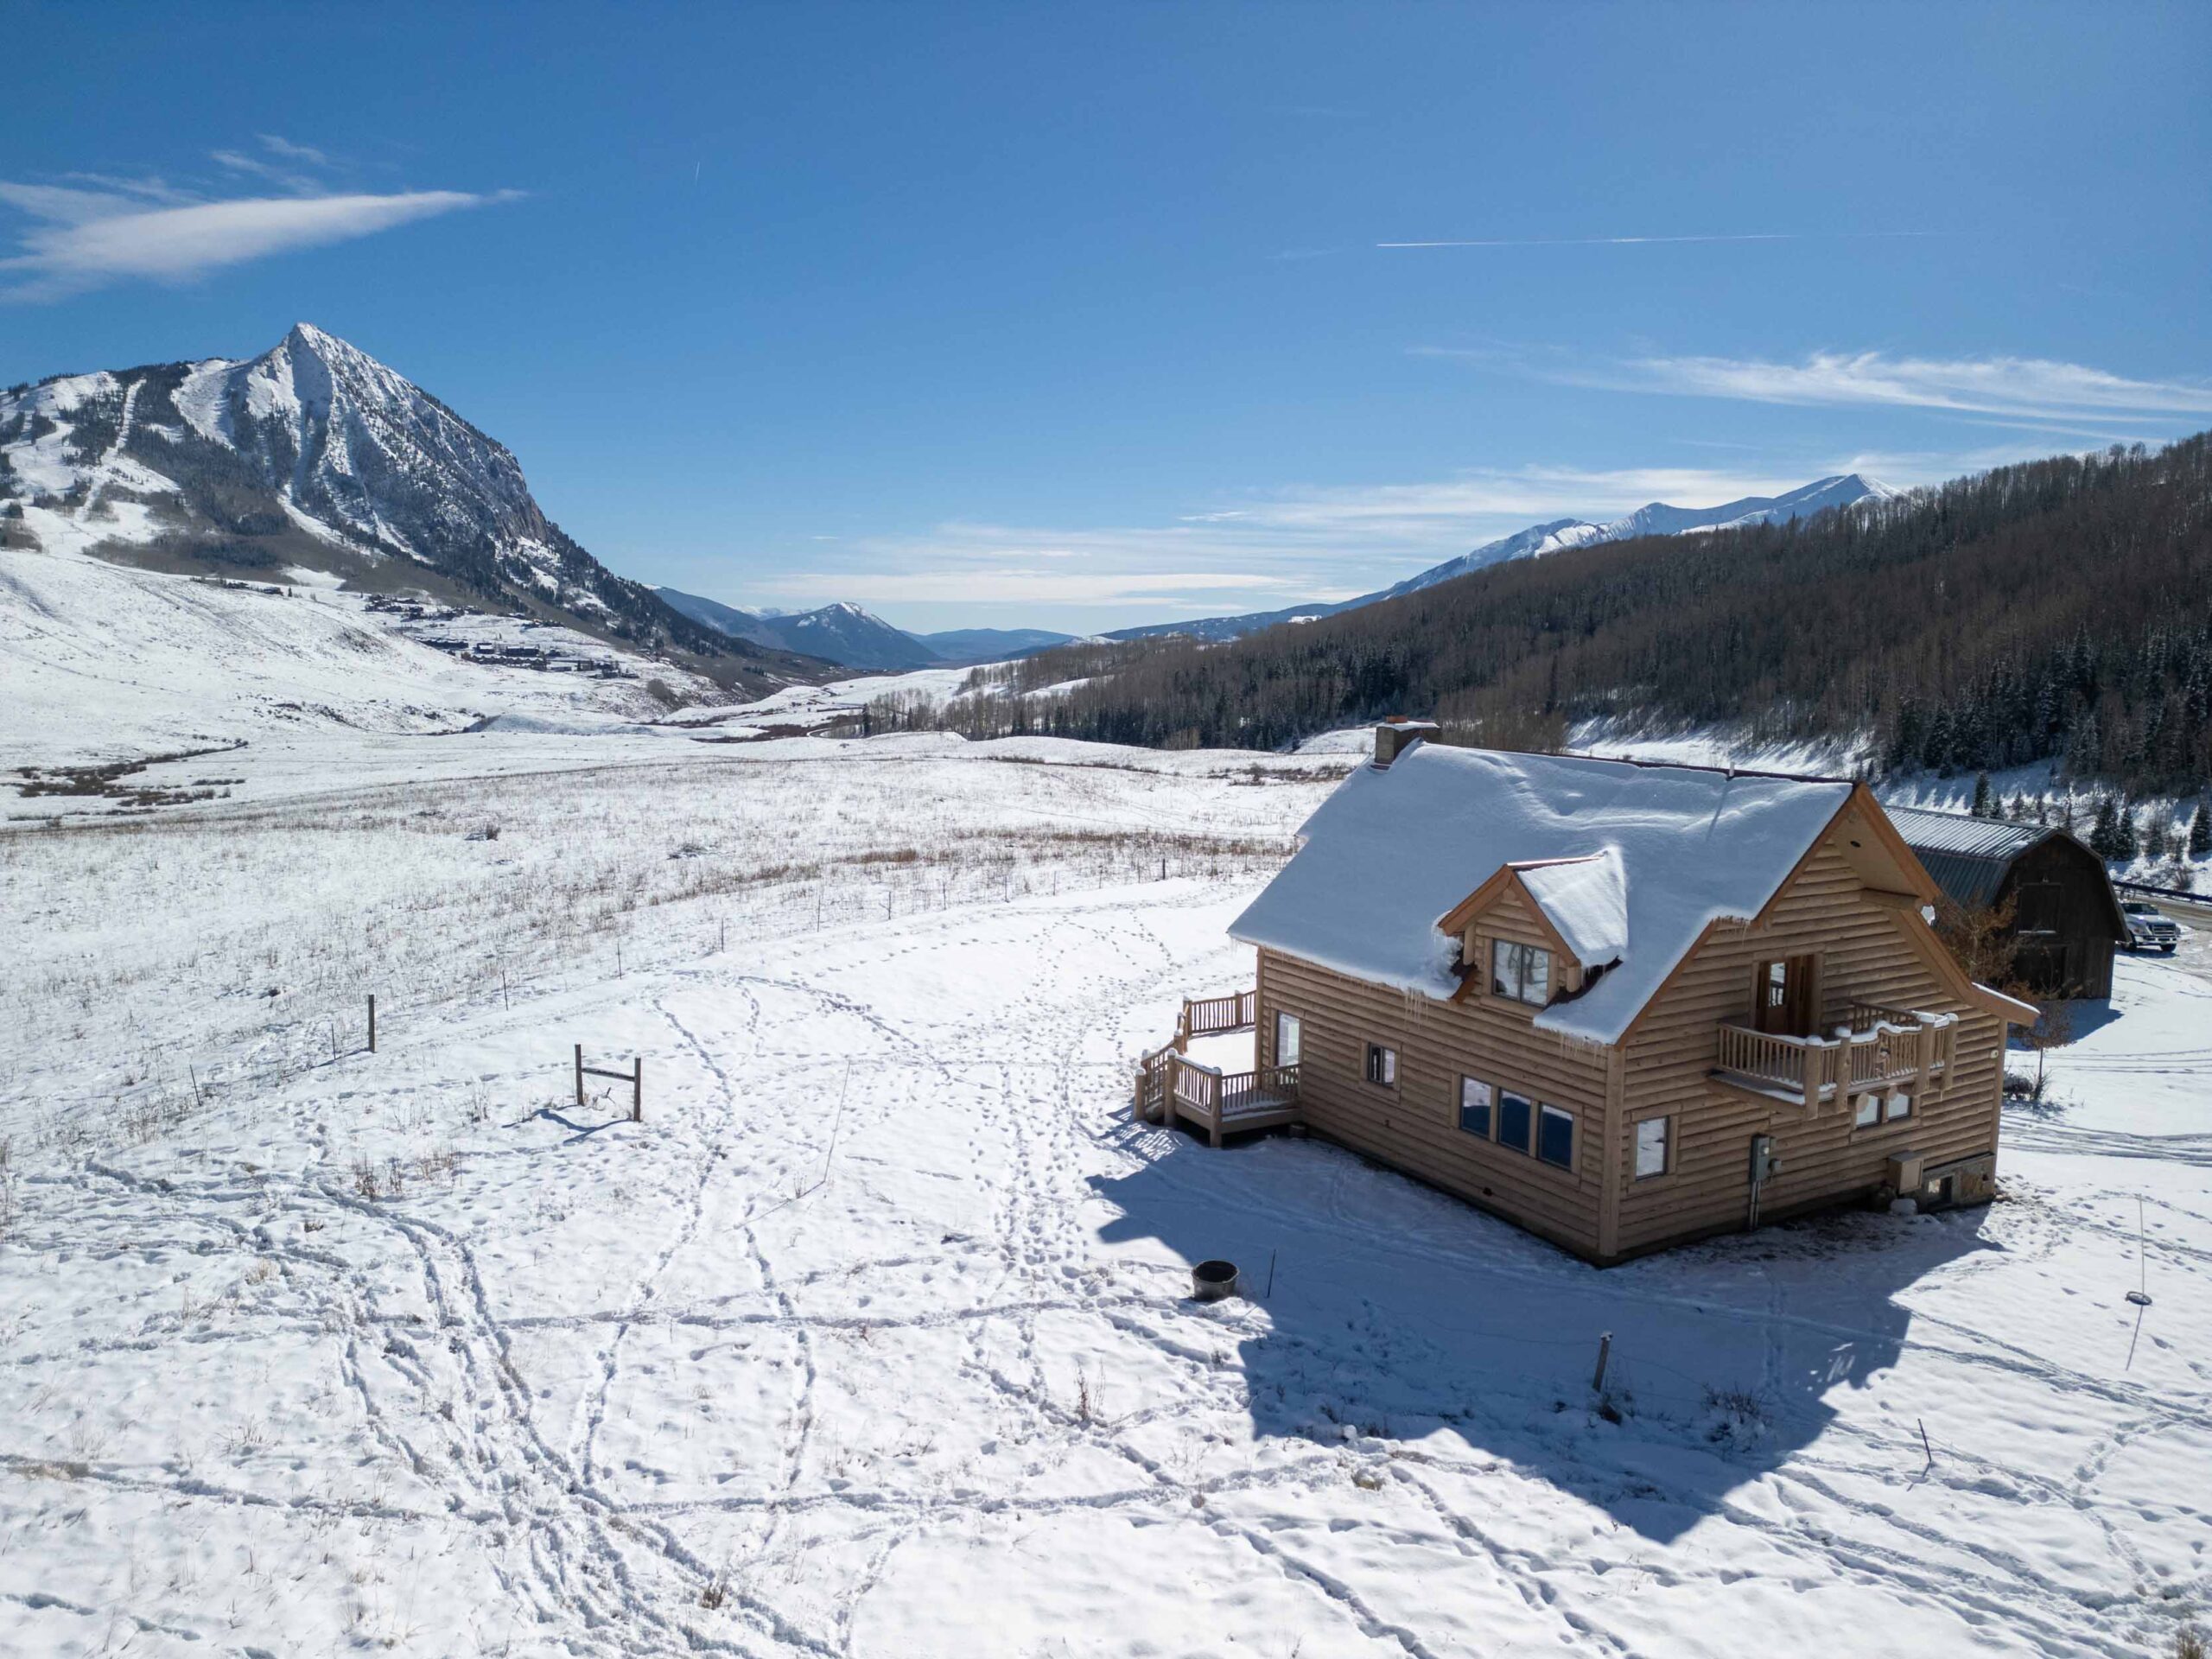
x,y
1655,519
846,634
314,457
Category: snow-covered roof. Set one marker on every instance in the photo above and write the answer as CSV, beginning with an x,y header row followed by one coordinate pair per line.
x,y
1393,850
1586,900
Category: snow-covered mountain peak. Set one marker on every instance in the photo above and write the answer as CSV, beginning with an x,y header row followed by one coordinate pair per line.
x,y
313,453
840,631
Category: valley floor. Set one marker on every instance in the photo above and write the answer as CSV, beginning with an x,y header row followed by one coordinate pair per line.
x,y
871,1339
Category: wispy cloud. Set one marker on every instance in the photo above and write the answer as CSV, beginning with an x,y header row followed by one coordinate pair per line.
x,y
99,229
284,178
275,145
1260,552
2027,388
1177,591
1642,241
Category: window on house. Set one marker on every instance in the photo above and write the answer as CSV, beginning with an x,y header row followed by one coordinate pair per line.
x,y
1869,1109
1382,1065
1287,1033
1555,1137
1652,1135
1476,1098
1523,972
1896,1106
1515,1115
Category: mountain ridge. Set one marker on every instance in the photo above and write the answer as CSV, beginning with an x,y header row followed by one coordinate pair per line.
x,y
844,632
2053,613
840,632
1653,519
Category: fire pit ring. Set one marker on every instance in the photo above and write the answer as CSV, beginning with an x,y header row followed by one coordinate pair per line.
x,y
1213,1281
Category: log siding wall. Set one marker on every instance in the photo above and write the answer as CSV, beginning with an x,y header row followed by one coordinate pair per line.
x,y
1599,1210
1416,1126
1867,955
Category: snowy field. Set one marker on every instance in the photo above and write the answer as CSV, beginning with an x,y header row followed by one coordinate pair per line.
x,y
871,1338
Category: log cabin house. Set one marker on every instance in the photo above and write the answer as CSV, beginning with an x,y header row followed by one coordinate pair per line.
x,y
1622,1005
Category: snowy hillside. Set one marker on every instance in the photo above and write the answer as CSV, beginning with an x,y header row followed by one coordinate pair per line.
x,y
843,633
311,456
872,1339
1653,518
99,662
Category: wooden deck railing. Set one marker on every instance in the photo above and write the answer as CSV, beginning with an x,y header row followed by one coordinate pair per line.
x,y
1223,1102
1206,1015
1169,1084
1880,1048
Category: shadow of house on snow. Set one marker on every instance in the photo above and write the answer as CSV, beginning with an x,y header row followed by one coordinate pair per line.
x,y
1403,1312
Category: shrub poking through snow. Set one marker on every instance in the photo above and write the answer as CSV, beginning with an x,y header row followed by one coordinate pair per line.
x,y
1734,1418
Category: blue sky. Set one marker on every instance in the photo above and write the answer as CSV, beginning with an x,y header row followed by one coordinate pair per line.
x,y
1081,318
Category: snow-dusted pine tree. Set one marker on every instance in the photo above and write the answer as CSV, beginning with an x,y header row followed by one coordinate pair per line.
x,y
2126,838
2104,833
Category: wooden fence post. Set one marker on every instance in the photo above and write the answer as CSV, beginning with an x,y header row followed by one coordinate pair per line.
x,y
637,1090
580,1074
372,1022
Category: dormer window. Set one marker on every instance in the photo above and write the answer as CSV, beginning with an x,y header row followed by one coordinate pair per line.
x,y
1523,972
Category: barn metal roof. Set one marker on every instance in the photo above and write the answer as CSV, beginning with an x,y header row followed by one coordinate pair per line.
x,y
1970,857
1952,832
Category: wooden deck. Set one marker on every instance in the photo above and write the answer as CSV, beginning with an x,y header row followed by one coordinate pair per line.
x,y
1880,1049
1170,1084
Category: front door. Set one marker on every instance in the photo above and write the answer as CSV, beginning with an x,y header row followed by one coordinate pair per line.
x,y
1786,996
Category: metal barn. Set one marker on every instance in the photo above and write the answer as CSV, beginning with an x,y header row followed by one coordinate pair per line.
x,y
2066,917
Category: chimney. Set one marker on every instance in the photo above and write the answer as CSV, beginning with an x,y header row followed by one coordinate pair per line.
x,y
1395,736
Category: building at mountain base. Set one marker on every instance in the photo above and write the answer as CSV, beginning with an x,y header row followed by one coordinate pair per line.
x,y
1622,1005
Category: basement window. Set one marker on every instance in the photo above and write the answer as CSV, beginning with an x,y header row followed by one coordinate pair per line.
x,y
1652,1135
1869,1112
1523,972
1555,1136
1896,1106
1475,1100
1515,1115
